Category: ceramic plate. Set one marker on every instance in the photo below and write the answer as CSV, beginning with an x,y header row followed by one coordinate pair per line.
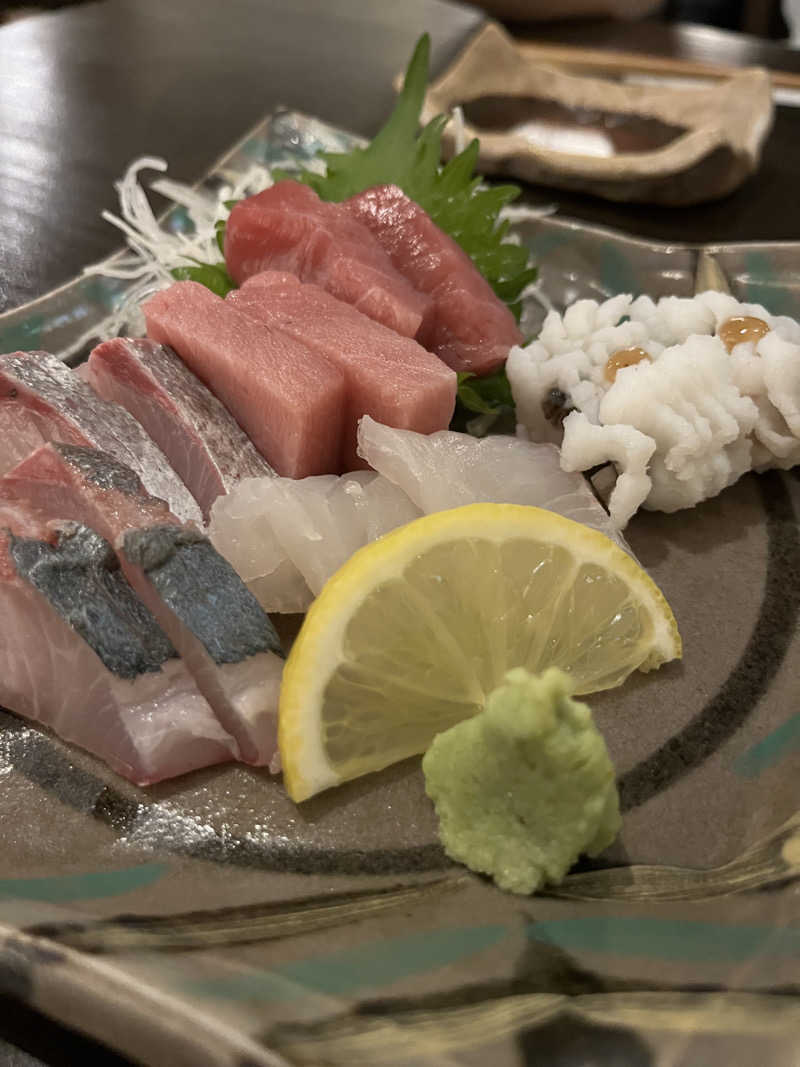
x,y
209,920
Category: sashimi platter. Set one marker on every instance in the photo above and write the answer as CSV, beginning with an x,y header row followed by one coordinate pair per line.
x,y
366,544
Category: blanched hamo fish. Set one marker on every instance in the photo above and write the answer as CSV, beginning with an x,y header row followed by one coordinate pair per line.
x,y
287,537
199,436
683,395
223,635
81,654
42,400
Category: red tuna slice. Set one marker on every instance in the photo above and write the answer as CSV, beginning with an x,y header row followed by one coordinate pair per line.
x,y
80,654
204,443
289,400
288,227
216,624
42,400
466,325
387,376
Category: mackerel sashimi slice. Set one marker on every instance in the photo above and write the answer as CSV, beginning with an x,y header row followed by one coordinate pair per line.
x,y
80,654
42,400
287,227
389,377
289,400
466,324
202,440
225,638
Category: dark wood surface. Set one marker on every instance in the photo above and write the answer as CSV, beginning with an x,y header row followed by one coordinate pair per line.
x,y
85,89
701,44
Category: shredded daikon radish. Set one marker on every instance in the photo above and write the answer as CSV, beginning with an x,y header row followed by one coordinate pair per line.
x,y
155,248
459,131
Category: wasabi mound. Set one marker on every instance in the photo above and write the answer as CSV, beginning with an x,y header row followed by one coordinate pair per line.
x,y
524,788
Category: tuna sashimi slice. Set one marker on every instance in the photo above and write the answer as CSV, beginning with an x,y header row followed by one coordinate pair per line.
x,y
42,400
80,654
466,325
217,626
287,227
387,376
289,400
204,443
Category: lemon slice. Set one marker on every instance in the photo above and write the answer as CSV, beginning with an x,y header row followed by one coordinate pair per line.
x,y
411,635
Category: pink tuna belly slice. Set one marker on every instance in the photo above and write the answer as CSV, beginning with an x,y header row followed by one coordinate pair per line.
x,y
226,640
466,325
202,440
289,400
81,655
389,377
287,227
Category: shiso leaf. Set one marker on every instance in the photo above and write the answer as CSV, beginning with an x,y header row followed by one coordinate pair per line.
x,y
213,275
452,195
400,154
489,398
490,395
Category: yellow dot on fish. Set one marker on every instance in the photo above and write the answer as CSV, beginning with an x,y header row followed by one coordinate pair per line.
x,y
741,328
624,357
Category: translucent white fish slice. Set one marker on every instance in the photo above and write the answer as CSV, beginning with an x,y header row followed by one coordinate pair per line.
x,y
241,531
447,469
287,536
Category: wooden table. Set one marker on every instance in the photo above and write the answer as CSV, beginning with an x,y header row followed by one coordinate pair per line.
x,y
86,89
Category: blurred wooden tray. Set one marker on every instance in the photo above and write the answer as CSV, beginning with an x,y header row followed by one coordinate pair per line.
x,y
652,143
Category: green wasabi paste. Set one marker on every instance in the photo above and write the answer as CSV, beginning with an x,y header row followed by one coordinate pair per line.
x,y
526,786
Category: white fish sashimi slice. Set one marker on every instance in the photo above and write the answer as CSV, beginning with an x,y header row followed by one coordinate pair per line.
x,y
321,522
386,507
318,523
316,526
241,531
448,469
240,523
286,536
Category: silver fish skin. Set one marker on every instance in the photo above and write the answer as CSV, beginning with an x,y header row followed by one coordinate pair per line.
x,y
82,655
42,400
203,441
226,640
